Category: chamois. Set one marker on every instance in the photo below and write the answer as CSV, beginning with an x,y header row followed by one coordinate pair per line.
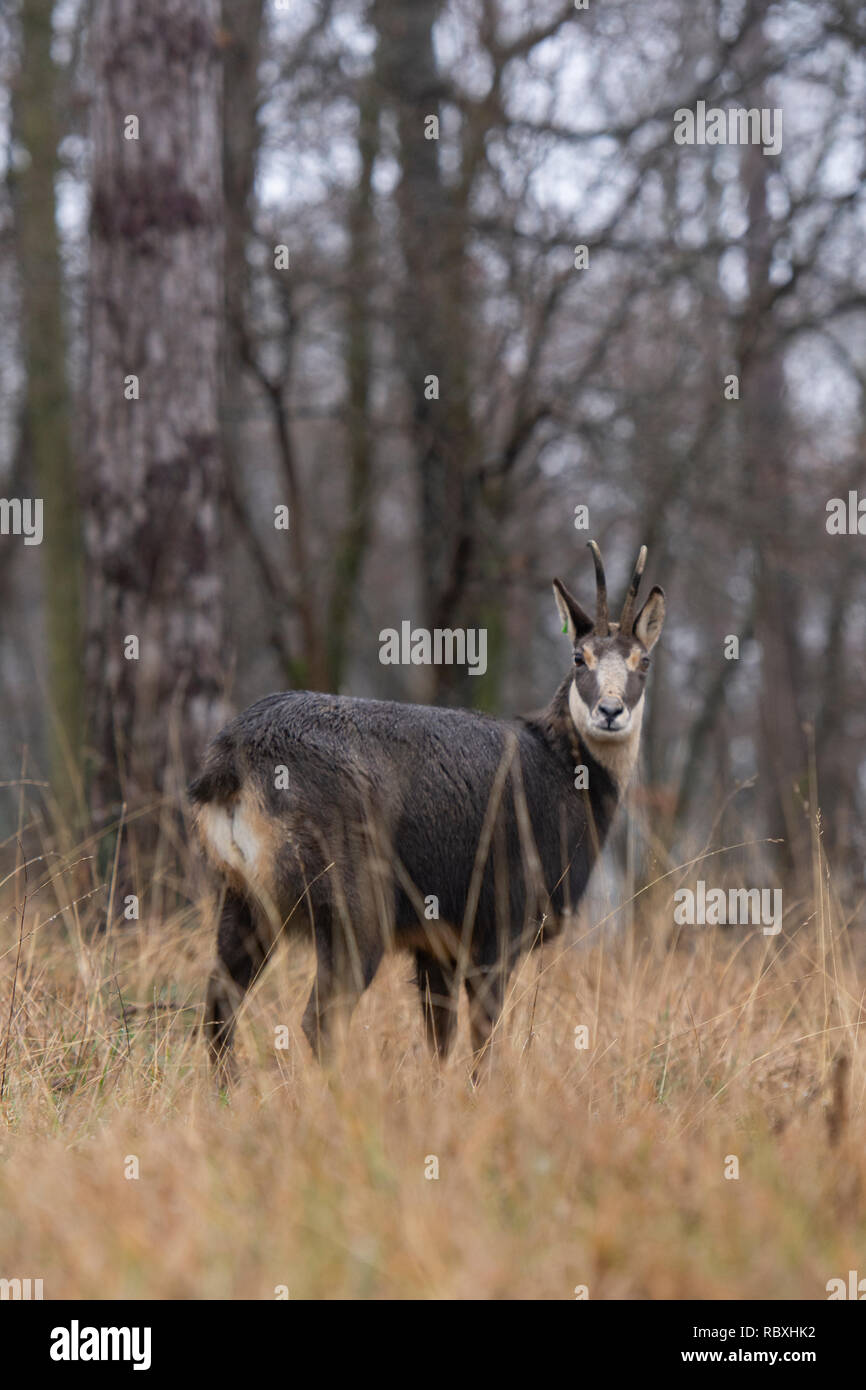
x,y
448,833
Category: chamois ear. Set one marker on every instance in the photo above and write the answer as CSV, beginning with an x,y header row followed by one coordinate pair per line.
x,y
649,621
574,621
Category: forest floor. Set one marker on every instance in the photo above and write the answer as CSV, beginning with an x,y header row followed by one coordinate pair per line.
x,y
708,1142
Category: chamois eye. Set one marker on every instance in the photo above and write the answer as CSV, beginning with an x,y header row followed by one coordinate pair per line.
x,y
645,663
579,659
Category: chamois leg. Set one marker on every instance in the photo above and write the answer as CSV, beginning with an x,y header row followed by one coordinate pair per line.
x,y
436,987
342,975
485,986
241,954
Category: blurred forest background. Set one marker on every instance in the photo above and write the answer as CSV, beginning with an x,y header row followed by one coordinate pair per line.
x,y
295,377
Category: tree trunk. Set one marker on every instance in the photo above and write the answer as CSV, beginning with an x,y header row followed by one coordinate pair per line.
x,y
46,423
352,543
781,743
153,463
434,327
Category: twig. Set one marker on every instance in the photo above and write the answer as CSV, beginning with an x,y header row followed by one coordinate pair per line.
x,y
14,980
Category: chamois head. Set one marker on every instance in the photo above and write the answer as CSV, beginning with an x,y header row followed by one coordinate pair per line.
x,y
611,660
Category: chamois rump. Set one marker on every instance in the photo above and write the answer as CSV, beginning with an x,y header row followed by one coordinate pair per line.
x,y
454,835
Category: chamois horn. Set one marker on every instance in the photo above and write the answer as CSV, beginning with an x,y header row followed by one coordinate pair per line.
x,y
602,621
626,622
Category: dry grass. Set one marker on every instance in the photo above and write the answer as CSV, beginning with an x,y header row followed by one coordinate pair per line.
x,y
603,1167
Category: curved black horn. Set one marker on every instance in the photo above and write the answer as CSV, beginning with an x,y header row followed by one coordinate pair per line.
x,y
627,619
602,621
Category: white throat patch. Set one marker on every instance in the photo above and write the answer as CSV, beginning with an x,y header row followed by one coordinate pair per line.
x,y
616,755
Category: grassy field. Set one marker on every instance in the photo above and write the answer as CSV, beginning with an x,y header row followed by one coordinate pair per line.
x,y
601,1167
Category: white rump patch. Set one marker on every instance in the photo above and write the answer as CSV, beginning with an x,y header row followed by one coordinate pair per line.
x,y
233,839
215,828
244,837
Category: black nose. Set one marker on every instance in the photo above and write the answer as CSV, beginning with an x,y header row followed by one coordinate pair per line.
x,y
610,708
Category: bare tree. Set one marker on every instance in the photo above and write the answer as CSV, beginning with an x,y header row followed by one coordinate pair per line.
x,y
46,419
155,657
